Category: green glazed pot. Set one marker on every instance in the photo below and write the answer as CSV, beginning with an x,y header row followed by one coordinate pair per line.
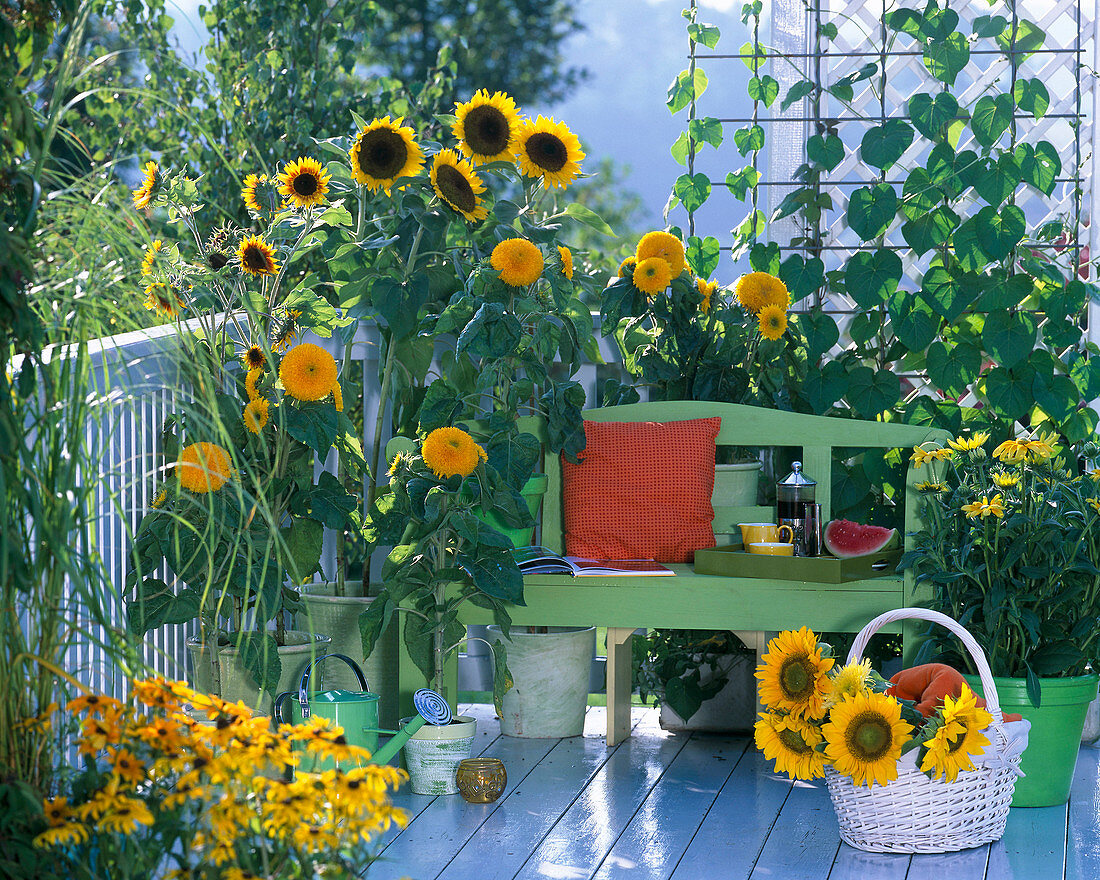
x,y
532,493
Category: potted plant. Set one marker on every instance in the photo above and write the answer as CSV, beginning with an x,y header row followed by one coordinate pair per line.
x,y
1009,548
444,555
238,519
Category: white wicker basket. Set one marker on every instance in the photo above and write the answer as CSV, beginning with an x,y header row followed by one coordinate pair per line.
x,y
915,814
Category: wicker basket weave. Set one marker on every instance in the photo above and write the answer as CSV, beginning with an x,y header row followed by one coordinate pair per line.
x,y
915,814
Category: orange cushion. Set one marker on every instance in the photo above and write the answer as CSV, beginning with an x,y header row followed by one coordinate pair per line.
x,y
641,490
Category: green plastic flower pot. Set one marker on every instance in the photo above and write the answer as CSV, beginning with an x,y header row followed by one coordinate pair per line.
x,y
1055,735
532,493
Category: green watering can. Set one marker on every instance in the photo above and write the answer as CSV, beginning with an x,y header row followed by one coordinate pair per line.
x,y
357,712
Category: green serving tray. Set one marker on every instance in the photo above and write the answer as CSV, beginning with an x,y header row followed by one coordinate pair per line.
x,y
733,561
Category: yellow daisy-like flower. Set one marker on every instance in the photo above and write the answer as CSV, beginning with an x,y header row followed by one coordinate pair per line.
x,y
256,414
304,183
203,467
1042,447
864,737
164,299
1011,451
252,377
855,678
56,811
707,289
261,195
235,873
158,502
793,675
985,507
790,742
758,289
1005,481
958,738
451,452
664,245
1094,503
651,276
773,322
150,186
153,257
126,765
921,457
1094,474
626,267
486,127
458,185
566,262
125,816
94,704
254,358
548,149
62,835
315,838
257,257
931,487
383,152
308,372
965,444
519,262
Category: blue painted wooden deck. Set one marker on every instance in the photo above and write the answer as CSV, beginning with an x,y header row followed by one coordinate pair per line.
x,y
664,806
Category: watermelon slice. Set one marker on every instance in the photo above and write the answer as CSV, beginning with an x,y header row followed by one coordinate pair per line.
x,y
847,539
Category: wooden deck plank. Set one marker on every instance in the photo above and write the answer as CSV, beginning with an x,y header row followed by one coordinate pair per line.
x,y
659,834
1033,846
803,842
967,864
855,864
1083,840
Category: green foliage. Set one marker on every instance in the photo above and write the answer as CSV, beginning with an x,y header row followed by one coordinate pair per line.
x,y
669,666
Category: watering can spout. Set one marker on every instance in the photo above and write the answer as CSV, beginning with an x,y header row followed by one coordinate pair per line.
x,y
431,709
385,753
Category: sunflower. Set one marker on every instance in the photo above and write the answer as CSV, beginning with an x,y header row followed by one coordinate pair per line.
x,y
965,444
921,457
252,377
383,152
126,816
548,149
566,262
652,276
486,127
304,183
67,834
985,507
773,322
164,299
864,737
286,331
707,291
126,765
518,260
451,452
254,358
855,678
626,267
790,743
150,186
260,194
664,245
256,414
257,257
203,467
308,372
793,675
153,258
958,737
456,183
758,289
929,486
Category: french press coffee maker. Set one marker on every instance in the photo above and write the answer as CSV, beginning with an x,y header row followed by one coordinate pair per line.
x,y
796,507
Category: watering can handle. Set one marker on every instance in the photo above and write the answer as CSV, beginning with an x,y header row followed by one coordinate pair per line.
x,y
303,698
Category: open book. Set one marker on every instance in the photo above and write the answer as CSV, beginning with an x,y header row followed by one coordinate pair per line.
x,y
540,560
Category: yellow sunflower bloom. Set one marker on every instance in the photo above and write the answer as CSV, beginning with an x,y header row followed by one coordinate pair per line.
x,y
63,835
254,358
566,262
1094,503
458,185
285,331
519,262
921,457
451,452
958,738
126,816
758,289
261,195
304,183
383,152
664,245
250,380
486,127
203,467
56,811
164,299
548,149
790,742
626,267
257,257
150,187
153,257
985,507
773,322
707,289
864,737
1005,481
965,444
308,372
256,415
793,675
855,678
651,276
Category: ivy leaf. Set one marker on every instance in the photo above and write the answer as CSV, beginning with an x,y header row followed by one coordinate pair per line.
x,y
996,181
704,34
919,195
873,391
1055,394
883,145
1040,166
967,249
827,152
991,118
943,292
953,369
686,88
1002,291
749,139
764,89
908,21
871,209
1008,393
946,59
1032,96
707,130
680,148
1029,37
702,254
820,330
692,189
1009,337
913,321
930,114
796,93
740,182
930,230
1086,376
765,257
872,276
1000,231
822,388
802,277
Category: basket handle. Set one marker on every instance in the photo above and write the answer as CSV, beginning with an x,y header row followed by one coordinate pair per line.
x,y
992,701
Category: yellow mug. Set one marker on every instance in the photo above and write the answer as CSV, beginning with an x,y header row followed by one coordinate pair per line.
x,y
772,548
757,533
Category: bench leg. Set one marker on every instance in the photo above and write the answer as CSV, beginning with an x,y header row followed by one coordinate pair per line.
x,y
619,642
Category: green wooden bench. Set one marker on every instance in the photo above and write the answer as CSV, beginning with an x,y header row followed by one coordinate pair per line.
x,y
752,607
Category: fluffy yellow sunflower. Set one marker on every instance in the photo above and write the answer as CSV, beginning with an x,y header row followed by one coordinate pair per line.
x,y
793,675
566,262
252,377
965,444
958,737
304,183
652,276
257,257
261,195
518,261
153,258
758,289
855,678
626,267
773,322
664,245
548,149
256,414
308,372
203,467
451,452
486,127
254,358
150,187
790,742
458,185
864,737
707,290
383,152
164,299
986,507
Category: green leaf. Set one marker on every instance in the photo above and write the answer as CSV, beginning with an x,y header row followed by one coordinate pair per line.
x,y
1002,291
1056,395
828,152
1032,97
707,130
919,195
967,249
260,656
883,145
686,88
303,539
492,333
989,25
802,277
752,56
329,503
870,277
502,677
1040,166
1086,376
996,181
991,118
822,388
796,93
1029,37
765,257
740,182
692,189
764,89
871,210
872,391
820,330
913,321
946,59
156,605
680,149
399,304
1009,337
702,255
1055,658
494,572
705,34
314,424
908,21
1009,393
589,218
930,230
931,114
749,139
999,231
946,294
953,369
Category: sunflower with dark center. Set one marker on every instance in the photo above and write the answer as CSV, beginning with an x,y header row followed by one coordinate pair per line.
x,y
793,674
458,185
383,152
864,737
257,257
151,186
486,127
163,299
304,183
261,196
549,150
